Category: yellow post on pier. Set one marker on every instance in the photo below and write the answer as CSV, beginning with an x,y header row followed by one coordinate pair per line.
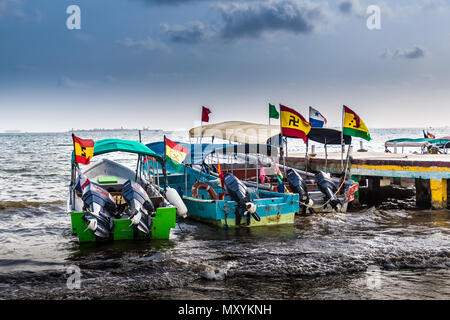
x,y
438,193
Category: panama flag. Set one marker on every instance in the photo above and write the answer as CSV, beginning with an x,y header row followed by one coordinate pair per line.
x,y
316,119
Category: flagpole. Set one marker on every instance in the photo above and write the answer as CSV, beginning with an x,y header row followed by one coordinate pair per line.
x,y
284,152
73,173
165,164
342,140
201,136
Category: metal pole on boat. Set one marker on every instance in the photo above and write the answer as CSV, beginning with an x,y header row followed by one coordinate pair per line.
x,y
72,178
306,154
257,178
165,165
185,180
342,140
326,156
245,167
284,158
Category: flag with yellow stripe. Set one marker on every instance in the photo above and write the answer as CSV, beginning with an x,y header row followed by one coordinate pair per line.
x,y
293,124
175,154
83,149
353,125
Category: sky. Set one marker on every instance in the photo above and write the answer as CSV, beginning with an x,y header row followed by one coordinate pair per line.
x,y
155,63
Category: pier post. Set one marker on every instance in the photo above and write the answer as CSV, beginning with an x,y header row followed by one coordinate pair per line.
x,y
438,193
423,193
374,188
397,181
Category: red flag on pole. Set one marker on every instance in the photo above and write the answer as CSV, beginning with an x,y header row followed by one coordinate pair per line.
x,y
205,114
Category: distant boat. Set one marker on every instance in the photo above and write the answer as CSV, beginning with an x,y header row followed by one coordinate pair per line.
x,y
12,131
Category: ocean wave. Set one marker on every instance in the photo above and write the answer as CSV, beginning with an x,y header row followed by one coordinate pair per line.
x,y
4,205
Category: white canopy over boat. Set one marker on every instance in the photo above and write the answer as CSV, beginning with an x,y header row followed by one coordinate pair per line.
x,y
237,131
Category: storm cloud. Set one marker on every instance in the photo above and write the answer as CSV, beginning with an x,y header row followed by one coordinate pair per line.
x,y
253,19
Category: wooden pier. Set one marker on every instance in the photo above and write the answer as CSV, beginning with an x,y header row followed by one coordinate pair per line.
x,y
431,171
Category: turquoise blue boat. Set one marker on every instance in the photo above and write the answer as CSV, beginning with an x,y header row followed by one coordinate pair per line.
x,y
273,208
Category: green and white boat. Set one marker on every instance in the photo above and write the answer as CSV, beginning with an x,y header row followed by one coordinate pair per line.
x,y
109,201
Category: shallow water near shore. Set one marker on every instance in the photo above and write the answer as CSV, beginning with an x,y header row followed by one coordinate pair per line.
x,y
383,252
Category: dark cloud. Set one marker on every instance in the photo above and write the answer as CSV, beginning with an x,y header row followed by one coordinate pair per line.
x,y
253,19
416,52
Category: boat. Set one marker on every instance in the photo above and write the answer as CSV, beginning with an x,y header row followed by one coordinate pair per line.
x,y
109,201
262,155
305,192
237,203
425,144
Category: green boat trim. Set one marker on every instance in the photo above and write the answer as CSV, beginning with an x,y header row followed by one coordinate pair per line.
x,y
162,223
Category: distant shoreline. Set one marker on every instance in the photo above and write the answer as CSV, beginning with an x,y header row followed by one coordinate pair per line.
x,y
162,130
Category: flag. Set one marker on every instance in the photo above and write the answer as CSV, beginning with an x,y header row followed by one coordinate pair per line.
x,y
262,174
205,114
219,170
273,113
277,172
175,154
293,124
279,177
84,150
429,135
81,182
316,119
353,125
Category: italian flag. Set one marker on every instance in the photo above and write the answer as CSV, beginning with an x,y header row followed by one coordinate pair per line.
x,y
353,125
175,154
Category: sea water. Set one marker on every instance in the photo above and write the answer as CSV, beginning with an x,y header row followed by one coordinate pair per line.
x,y
384,252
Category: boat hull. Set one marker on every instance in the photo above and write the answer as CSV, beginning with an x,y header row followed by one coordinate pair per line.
x,y
272,211
162,223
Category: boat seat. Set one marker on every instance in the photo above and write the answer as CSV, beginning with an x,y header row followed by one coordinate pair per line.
x,y
106,180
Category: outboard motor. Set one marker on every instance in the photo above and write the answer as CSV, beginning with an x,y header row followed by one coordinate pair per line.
x,y
298,185
140,208
239,193
327,187
99,208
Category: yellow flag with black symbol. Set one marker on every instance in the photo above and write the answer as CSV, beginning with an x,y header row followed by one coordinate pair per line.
x,y
353,125
293,124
